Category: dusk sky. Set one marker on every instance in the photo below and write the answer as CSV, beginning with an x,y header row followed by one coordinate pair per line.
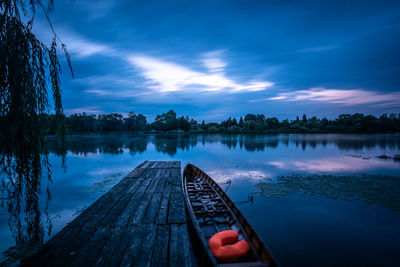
x,y
215,59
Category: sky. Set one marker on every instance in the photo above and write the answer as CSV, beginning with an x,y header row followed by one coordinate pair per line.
x,y
214,59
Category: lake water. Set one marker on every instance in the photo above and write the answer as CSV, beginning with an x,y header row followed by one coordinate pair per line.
x,y
321,199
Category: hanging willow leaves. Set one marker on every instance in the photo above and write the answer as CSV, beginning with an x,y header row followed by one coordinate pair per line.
x,y
29,73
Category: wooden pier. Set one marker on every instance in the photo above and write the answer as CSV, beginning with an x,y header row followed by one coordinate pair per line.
x,y
141,221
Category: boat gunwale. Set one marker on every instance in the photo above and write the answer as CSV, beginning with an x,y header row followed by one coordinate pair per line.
x,y
261,249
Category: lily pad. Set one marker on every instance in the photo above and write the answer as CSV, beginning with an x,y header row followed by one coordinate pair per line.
x,y
378,190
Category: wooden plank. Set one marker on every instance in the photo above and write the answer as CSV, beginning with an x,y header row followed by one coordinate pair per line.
x,y
162,215
152,210
145,165
102,203
144,203
176,211
179,252
90,249
156,180
160,250
114,249
173,184
138,215
70,239
140,221
161,185
140,250
156,164
177,164
141,164
137,172
136,203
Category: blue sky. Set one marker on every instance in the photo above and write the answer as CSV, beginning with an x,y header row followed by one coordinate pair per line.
x,y
214,59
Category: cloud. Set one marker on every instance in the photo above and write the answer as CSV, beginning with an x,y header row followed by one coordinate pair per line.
x,y
340,96
164,76
80,47
98,92
317,49
213,62
96,9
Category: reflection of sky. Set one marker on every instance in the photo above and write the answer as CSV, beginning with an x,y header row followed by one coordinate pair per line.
x,y
245,160
232,174
335,164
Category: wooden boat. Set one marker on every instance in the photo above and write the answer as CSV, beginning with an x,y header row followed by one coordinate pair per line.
x,y
212,211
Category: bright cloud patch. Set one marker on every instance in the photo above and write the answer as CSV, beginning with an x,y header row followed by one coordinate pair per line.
x,y
338,96
82,48
164,76
213,62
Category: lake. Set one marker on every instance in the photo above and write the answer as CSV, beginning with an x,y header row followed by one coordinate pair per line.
x,y
319,199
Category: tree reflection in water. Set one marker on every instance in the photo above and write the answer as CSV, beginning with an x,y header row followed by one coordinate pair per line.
x,y
171,144
26,194
25,179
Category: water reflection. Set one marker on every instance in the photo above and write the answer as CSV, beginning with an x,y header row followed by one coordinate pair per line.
x,y
97,162
116,144
342,163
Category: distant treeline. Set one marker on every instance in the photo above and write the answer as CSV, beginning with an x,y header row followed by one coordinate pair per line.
x,y
251,123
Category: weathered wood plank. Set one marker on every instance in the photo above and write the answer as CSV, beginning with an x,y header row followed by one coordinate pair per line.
x,y
176,211
71,238
160,250
152,210
141,164
89,251
140,251
145,165
140,221
179,251
138,203
135,173
156,179
162,215
161,185
114,249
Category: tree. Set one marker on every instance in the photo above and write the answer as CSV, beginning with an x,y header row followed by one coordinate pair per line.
x,y
241,122
28,68
203,125
166,121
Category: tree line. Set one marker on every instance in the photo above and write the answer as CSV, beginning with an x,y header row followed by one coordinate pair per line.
x,y
251,123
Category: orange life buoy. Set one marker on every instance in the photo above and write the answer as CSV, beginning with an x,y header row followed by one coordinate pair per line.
x,y
224,245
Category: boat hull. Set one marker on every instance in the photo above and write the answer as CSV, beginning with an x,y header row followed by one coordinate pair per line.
x,y
211,211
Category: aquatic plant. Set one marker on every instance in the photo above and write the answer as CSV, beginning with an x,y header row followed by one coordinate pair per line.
x,y
380,190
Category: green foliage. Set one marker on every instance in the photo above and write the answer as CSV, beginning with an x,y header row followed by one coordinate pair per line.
x,y
28,71
170,122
